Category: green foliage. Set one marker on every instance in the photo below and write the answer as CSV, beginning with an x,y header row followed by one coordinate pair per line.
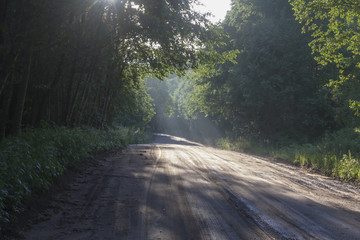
x,y
275,91
240,144
335,29
337,154
30,161
139,108
325,154
348,168
308,155
76,62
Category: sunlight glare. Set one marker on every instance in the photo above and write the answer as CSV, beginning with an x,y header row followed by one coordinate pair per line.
x,y
216,7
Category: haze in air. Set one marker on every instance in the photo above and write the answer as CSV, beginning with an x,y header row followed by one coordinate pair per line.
x,y
253,131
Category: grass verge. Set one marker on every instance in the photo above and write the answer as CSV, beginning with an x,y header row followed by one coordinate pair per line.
x,y
336,154
29,162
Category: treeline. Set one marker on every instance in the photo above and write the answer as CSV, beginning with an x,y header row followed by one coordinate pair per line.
x,y
277,92
80,62
294,90
72,72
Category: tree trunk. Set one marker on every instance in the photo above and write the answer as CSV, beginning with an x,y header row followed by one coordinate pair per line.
x,y
4,110
69,91
45,98
3,7
93,110
107,101
20,101
83,102
70,119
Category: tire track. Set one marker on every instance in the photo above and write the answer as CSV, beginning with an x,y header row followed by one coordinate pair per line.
x,y
176,189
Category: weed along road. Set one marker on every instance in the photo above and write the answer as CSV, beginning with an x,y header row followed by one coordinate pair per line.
x,y
176,189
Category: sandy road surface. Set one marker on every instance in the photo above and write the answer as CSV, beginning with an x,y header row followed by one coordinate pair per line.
x,y
175,189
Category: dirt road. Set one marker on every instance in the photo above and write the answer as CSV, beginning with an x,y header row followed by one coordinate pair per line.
x,y
176,189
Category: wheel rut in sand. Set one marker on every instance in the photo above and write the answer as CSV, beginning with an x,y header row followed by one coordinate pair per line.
x,y
177,189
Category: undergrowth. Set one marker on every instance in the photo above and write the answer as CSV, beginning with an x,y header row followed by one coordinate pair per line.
x,y
336,154
29,162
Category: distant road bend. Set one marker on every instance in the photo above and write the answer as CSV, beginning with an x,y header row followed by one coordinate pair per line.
x,y
177,189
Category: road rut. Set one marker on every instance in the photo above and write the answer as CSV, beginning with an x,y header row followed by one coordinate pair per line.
x,y
177,189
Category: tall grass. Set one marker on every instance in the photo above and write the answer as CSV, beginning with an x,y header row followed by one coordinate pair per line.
x,y
29,162
336,154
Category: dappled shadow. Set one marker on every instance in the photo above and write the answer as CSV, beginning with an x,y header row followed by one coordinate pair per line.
x,y
173,192
189,199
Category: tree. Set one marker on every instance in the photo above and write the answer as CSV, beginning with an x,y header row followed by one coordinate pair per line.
x,y
77,62
335,28
275,91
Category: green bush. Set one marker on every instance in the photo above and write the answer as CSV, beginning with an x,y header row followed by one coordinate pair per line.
x,y
240,144
224,143
30,161
348,168
337,154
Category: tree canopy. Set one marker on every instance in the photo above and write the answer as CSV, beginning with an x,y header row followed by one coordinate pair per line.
x,y
335,29
276,88
77,62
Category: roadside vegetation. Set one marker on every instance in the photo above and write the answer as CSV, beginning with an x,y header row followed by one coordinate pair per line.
x,y
275,77
336,154
75,63
292,92
30,161
294,108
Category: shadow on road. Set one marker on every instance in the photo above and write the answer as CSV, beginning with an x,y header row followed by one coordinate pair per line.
x,y
157,191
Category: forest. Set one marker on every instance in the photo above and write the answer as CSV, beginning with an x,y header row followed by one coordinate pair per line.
x,y
278,78
292,92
